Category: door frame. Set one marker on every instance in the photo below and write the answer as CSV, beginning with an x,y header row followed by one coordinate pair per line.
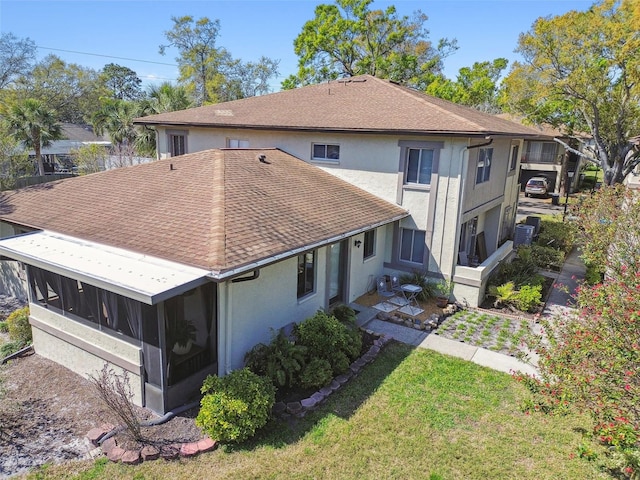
x,y
343,273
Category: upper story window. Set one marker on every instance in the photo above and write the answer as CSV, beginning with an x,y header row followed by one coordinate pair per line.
x,y
412,245
325,152
419,166
306,273
236,143
515,150
542,152
484,165
369,244
177,141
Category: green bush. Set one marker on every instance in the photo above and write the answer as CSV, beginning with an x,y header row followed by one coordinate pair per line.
x,y
317,373
560,235
234,407
325,337
547,258
9,348
345,314
504,294
281,360
420,279
528,298
593,275
4,328
18,326
520,271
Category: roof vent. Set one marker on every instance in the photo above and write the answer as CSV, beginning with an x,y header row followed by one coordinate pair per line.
x,y
171,166
263,159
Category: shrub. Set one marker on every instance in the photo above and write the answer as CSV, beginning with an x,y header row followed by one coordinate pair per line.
x,y
528,298
520,271
235,406
504,294
325,337
317,373
281,360
18,326
593,275
115,392
420,279
9,348
547,258
4,328
345,314
556,234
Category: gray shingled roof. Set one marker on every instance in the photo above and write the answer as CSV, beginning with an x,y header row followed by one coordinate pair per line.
x,y
358,104
217,209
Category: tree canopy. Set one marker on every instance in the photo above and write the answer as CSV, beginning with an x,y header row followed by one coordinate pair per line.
x,y
16,57
35,125
581,73
476,86
208,71
122,82
347,39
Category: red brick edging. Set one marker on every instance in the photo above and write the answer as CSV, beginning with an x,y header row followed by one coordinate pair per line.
x,y
147,453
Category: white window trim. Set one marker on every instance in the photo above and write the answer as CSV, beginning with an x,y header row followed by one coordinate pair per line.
x,y
333,161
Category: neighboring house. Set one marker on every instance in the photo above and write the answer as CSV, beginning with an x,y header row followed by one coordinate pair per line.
x,y
57,156
543,156
238,242
455,169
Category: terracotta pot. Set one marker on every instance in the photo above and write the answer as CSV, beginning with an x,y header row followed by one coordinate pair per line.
x,y
442,302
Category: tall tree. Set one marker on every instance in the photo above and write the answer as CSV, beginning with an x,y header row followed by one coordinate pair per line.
x,y
16,57
475,86
348,39
581,73
71,90
32,123
122,82
167,97
209,72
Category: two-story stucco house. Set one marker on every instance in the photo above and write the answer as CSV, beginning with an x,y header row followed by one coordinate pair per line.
x,y
455,169
258,213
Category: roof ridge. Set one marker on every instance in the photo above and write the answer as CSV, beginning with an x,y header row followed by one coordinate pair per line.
x,y
218,226
426,99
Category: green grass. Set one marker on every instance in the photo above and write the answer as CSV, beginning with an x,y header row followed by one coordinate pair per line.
x,y
412,414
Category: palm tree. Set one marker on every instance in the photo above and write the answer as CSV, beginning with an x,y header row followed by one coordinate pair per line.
x,y
32,123
168,98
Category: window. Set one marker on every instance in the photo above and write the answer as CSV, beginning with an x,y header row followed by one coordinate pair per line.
x,y
323,151
306,273
542,152
235,143
419,166
412,245
515,149
484,165
369,244
177,143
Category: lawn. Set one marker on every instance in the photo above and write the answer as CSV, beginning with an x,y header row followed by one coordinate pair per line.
x,y
411,414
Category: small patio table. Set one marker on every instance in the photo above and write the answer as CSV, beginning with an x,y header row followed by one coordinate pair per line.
x,y
410,293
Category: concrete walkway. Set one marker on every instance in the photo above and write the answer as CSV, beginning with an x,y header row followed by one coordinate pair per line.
x,y
560,300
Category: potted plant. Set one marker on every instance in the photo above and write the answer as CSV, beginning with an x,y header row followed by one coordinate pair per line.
x,y
181,334
443,290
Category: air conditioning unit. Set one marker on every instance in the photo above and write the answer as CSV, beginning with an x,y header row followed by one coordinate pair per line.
x,y
524,235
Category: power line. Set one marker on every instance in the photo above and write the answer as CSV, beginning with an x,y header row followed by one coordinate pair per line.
x,y
107,56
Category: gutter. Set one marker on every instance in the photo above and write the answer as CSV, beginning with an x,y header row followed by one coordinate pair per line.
x,y
219,276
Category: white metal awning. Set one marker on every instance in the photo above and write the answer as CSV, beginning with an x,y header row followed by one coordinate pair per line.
x,y
142,277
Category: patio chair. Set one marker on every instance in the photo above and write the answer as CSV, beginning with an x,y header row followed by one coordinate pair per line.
x,y
382,288
396,288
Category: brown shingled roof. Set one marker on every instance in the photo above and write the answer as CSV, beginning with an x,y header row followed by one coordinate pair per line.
x,y
220,210
358,104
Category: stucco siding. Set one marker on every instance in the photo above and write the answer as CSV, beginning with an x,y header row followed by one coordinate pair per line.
x,y
83,349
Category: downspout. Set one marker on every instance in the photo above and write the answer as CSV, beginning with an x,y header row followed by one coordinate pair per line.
x,y
227,327
463,175
254,276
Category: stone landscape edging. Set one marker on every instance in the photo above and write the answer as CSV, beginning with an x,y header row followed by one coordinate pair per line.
x,y
114,453
300,408
109,447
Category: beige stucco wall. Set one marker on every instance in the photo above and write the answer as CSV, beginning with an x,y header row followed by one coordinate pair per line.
x,y
83,349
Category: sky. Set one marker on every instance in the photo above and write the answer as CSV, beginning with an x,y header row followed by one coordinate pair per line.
x,y
93,33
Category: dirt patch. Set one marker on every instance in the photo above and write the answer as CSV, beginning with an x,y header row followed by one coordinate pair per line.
x,y
47,410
